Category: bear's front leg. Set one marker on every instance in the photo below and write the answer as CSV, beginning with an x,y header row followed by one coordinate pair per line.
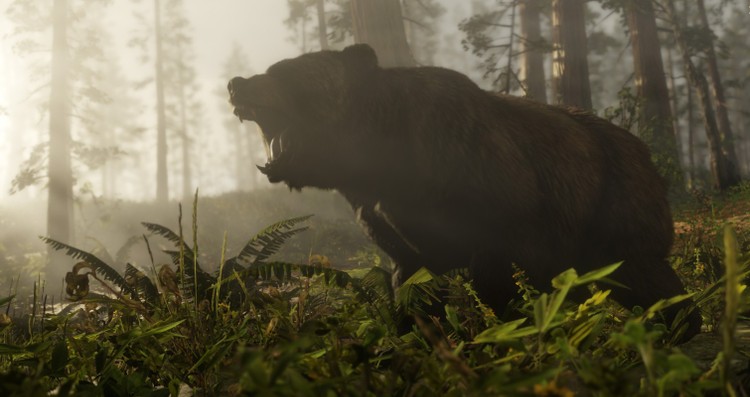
x,y
377,226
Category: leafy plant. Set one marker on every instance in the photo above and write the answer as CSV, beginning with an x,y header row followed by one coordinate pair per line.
x,y
257,325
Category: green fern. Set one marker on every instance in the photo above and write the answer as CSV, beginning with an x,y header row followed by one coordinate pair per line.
x,y
270,240
205,280
97,264
171,236
143,284
418,292
375,289
284,272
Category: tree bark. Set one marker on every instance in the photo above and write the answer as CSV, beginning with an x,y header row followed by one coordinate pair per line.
x,y
187,189
655,119
570,69
723,176
380,24
162,183
509,65
690,120
720,101
532,58
691,136
60,202
674,106
322,28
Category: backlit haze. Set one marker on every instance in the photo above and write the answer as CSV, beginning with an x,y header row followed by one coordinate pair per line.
x,y
255,25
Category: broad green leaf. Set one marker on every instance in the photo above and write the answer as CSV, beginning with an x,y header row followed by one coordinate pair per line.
x,y
161,329
565,279
504,332
419,277
596,275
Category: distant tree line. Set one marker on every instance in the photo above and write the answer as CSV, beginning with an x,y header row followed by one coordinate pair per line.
x,y
687,74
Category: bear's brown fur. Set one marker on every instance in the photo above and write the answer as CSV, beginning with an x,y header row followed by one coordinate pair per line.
x,y
446,175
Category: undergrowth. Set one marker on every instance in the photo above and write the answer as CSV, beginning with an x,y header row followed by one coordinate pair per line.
x,y
259,326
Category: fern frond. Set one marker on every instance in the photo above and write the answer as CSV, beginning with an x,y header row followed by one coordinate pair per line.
x,y
175,255
376,286
285,271
418,292
270,240
229,287
205,280
142,284
97,264
375,289
168,234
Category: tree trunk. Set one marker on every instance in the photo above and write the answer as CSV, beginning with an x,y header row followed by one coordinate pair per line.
x,y
723,176
511,40
410,27
720,101
60,202
691,136
691,119
570,70
532,61
162,184
740,131
322,29
187,177
655,119
674,106
380,24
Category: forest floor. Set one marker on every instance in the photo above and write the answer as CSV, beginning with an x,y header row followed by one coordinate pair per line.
x,y
734,212
699,223
317,327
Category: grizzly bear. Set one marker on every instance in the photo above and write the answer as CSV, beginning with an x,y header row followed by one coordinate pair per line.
x,y
445,175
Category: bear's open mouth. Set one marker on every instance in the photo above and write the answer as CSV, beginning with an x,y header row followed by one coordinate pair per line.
x,y
274,131
259,99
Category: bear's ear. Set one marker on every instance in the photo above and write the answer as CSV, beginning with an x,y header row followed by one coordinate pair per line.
x,y
360,57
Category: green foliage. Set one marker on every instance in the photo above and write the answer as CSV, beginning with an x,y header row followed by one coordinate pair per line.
x,y
266,327
481,32
628,115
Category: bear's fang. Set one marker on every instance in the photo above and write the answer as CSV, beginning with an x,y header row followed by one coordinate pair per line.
x,y
275,148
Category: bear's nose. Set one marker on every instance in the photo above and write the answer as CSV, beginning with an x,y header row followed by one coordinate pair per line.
x,y
234,84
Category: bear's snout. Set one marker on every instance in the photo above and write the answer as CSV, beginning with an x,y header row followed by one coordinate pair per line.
x,y
234,84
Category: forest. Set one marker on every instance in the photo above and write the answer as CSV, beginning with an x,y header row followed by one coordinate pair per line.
x,y
144,252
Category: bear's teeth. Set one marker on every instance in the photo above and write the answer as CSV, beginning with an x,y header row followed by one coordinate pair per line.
x,y
267,146
275,147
